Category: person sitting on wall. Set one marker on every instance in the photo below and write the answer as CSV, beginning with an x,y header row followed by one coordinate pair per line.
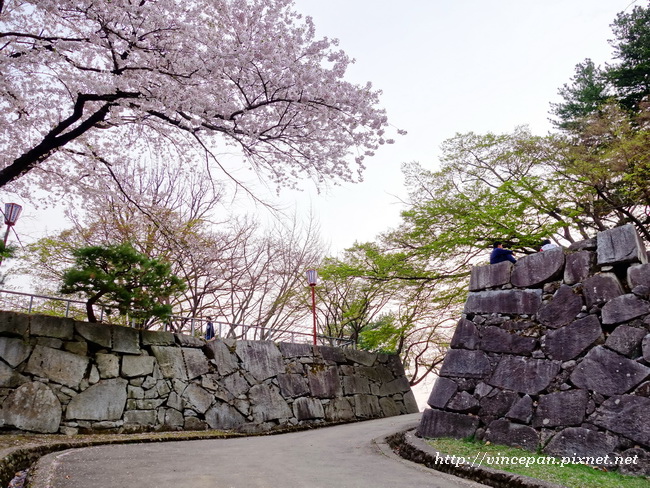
x,y
499,254
546,245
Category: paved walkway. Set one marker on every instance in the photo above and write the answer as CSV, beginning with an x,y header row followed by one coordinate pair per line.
x,y
343,456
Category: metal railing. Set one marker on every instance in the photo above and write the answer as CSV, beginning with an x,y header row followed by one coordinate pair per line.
x,y
65,307
195,326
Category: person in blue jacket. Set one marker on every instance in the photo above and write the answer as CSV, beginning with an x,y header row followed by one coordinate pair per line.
x,y
499,254
209,330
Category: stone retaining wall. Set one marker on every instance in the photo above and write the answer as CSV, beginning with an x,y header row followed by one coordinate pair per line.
x,y
554,353
58,375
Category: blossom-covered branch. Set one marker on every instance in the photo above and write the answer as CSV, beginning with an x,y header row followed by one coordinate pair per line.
x,y
141,79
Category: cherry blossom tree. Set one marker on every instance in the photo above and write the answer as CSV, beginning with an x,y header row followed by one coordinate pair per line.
x,y
85,84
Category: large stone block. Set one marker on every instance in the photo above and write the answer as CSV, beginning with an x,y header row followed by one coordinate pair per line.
x,y
507,433
157,338
103,401
125,339
578,441
624,308
171,363
224,416
262,359
466,364
324,382
293,350
563,408
140,418
638,275
495,339
185,340
353,385
443,390
466,335
49,326
33,407
225,359
333,354
398,385
536,269
504,301
561,309
59,366
99,334
196,363
360,357
14,350
236,384
14,324
626,340
367,406
305,408
292,385
108,365
601,288
378,374
578,267
608,373
620,245
496,404
133,366
436,423
267,404
410,403
197,398
389,407
572,340
394,363
628,415
645,348
522,410
10,378
490,276
463,402
524,375
339,409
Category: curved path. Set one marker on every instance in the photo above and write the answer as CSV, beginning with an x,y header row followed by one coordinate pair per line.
x,y
343,456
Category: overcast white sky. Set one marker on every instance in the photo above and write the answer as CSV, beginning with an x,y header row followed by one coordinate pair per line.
x,y
444,66
447,67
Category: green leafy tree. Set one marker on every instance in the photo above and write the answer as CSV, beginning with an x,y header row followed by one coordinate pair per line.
x,y
607,167
586,93
626,80
391,300
630,76
121,276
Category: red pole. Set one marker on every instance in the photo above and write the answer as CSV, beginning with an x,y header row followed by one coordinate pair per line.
x,y
313,308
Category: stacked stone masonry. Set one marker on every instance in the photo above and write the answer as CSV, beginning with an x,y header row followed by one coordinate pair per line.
x,y
553,353
62,376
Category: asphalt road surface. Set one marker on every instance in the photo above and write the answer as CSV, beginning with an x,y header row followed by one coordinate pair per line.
x,y
343,456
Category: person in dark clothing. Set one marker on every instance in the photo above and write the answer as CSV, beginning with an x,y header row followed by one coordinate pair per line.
x,y
209,330
499,254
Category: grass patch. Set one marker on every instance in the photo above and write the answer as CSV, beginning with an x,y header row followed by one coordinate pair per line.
x,y
511,459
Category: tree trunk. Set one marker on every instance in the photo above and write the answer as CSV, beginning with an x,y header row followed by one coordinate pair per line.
x,y
89,307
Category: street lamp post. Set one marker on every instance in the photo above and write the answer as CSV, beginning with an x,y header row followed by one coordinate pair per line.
x,y
312,279
12,212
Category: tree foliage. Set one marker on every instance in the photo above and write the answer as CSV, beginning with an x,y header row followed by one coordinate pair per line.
x,y
119,275
630,76
626,81
586,93
82,83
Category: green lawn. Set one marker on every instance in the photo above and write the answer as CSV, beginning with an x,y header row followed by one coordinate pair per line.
x,y
534,465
